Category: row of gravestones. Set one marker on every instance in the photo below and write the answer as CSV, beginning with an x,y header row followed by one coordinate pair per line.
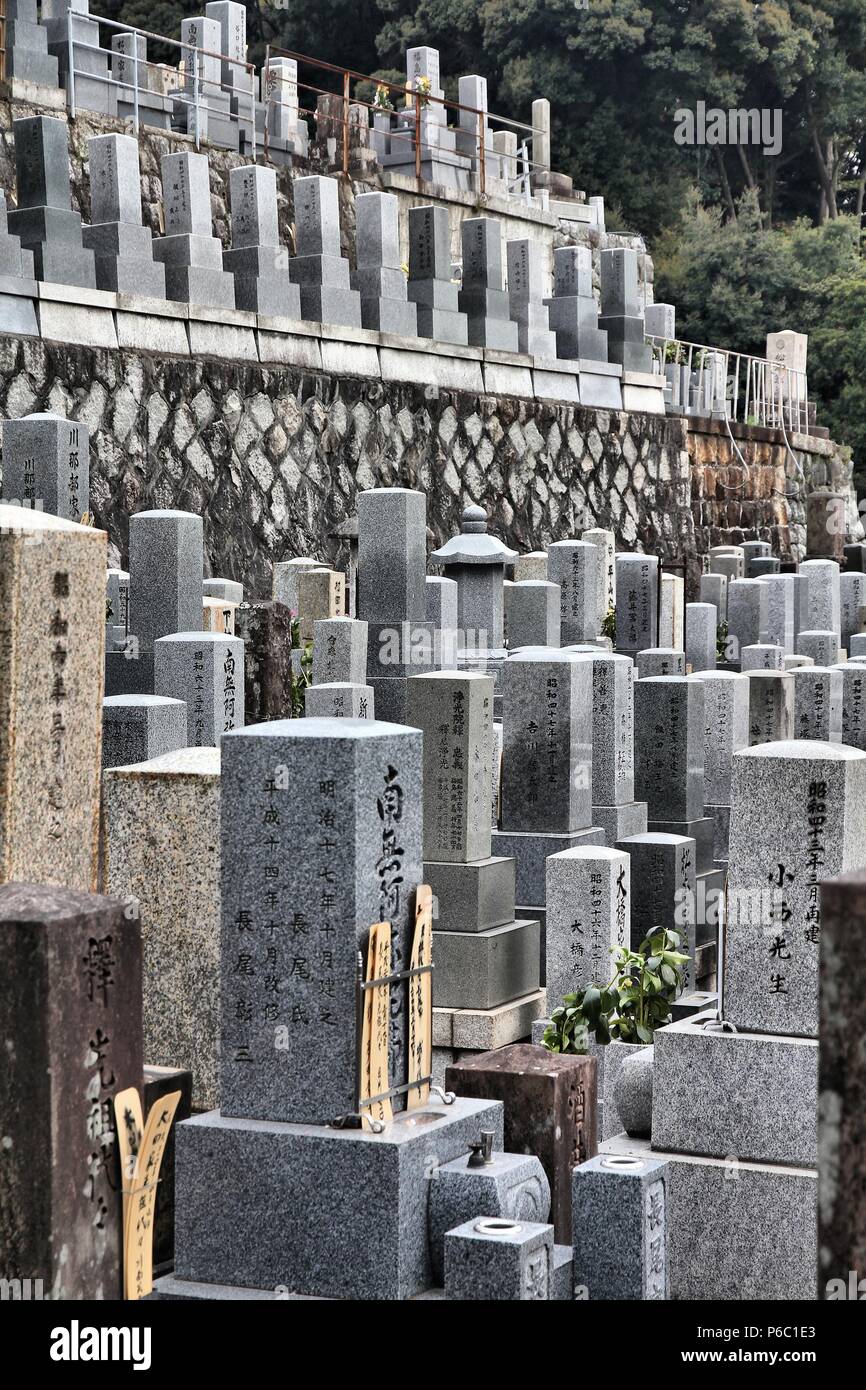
x,y
332,822
44,238
217,97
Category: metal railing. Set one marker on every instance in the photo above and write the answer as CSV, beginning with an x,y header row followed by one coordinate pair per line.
x,y
477,134
2,40
192,72
733,386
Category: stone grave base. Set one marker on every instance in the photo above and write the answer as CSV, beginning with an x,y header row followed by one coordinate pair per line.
x,y
530,851
736,1230
325,1212
482,970
618,822
711,1094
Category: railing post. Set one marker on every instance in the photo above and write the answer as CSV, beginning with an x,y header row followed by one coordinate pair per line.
x,y
135,81
252,76
481,159
418,136
266,98
346,89
71,60
195,95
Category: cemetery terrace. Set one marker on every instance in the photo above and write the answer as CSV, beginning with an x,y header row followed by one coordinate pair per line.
x,y
433,742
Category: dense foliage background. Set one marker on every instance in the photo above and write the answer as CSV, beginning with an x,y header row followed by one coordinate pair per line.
x,y
743,242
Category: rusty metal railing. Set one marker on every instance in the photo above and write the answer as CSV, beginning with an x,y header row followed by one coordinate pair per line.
x,y
2,40
413,98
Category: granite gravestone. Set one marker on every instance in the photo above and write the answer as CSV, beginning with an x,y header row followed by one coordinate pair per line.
x,y
714,590
441,611
378,276
321,595
747,616
532,613
319,267
822,647
339,651
430,285
46,465
726,730
771,706
613,805
577,567
762,656
392,554
822,595
622,310
339,700
798,816
18,288
259,264
663,875
26,45
52,622
841,1113
573,312
588,918
781,589
669,747
702,621
483,297
660,661
852,607
547,762
206,669
637,595
493,1261
455,713
285,580
138,727
43,220
70,1013
817,704
191,254
853,705
321,839
122,246
526,291
161,853
605,543
165,588
672,611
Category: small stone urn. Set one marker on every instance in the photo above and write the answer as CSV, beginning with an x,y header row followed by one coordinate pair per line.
x,y
633,1094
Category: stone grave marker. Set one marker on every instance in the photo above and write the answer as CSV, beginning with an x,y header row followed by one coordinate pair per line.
x,y
122,246
319,267
483,297
379,277
46,465
259,264
206,669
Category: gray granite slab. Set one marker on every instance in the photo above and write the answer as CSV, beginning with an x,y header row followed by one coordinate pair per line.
x,y
483,969
513,1262
513,1187
588,917
620,1222
669,747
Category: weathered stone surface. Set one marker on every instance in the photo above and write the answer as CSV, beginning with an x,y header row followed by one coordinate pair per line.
x,y
266,631
842,1082
513,1263
550,1110
161,853
52,626
620,1228
70,1017
512,1186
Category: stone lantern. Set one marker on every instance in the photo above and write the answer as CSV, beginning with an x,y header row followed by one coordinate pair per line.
x,y
476,560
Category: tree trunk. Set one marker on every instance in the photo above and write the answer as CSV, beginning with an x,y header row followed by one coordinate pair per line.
x,y
828,199
726,187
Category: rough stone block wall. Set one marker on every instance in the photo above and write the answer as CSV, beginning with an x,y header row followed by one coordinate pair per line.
x,y
272,459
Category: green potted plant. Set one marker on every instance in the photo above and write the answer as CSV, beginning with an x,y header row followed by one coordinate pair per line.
x,y
627,1011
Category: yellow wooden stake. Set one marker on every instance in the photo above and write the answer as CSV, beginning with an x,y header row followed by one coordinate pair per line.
x,y
140,1200
421,1001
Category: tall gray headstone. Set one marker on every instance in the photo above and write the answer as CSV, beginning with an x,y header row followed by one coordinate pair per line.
x,y
817,704
430,284
798,817
321,839
319,267
526,295
259,264
43,220
577,567
206,669
483,297
637,594
378,276
669,747
622,310
588,917
191,254
573,312
123,247
46,465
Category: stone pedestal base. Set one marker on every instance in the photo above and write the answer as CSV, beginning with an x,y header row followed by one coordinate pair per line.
x,y
530,851
326,1212
736,1230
